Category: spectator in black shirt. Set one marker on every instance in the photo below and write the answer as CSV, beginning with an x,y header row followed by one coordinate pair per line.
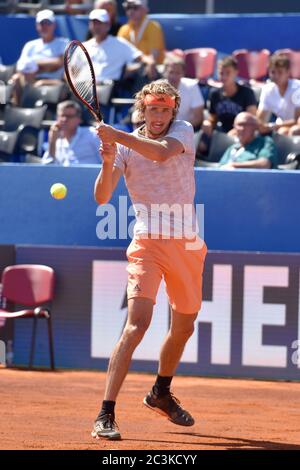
x,y
226,102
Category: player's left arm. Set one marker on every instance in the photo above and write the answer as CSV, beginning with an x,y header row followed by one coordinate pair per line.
x,y
156,150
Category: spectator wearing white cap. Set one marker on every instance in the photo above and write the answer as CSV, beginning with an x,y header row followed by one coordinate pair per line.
x,y
41,60
112,9
145,34
109,54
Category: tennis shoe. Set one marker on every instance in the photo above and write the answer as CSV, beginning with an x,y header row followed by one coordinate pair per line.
x,y
105,427
168,406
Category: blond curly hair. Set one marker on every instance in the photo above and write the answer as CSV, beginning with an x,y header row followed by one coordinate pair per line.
x,y
158,87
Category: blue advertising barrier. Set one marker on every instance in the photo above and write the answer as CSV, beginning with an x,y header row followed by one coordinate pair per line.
x,y
244,210
224,32
249,324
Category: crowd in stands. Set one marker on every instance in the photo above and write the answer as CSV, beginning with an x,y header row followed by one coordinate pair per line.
x,y
243,118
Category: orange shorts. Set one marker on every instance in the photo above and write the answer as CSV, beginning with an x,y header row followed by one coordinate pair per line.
x,y
150,260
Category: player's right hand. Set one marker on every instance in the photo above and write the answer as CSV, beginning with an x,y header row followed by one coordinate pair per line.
x,y
106,133
108,152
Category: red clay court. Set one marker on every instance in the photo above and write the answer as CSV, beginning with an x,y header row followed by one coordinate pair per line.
x,y
45,410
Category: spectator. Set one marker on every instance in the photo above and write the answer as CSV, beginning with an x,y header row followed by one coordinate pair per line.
x,y
111,7
251,150
109,54
226,103
144,34
280,97
41,60
68,142
230,100
192,103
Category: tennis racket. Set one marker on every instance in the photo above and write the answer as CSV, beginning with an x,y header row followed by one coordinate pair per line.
x,y
81,77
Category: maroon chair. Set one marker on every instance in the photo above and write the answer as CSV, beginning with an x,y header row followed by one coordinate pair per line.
x,y
31,286
252,64
200,62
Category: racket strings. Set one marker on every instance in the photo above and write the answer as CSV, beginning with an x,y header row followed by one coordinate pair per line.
x,y
81,76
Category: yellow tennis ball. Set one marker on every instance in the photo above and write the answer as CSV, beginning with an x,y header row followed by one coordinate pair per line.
x,y
58,191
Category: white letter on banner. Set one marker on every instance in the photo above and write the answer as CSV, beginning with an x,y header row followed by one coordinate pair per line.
x,y
257,314
110,221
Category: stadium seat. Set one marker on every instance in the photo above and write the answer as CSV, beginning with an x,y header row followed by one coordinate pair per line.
x,y
49,95
19,134
15,116
6,72
8,144
252,65
285,145
38,96
58,6
220,141
30,286
294,57
31,7
292,162
200,63
5,96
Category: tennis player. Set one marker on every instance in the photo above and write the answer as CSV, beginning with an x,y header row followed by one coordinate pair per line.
x,y
157,161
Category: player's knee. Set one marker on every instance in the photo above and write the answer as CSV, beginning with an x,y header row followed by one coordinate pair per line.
x,y
189,331
183,333
135,332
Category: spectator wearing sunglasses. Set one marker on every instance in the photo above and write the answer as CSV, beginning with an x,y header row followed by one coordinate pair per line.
x,y
145,34
41,60
68,142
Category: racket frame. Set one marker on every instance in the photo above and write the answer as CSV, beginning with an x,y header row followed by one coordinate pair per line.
x,y
97,115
